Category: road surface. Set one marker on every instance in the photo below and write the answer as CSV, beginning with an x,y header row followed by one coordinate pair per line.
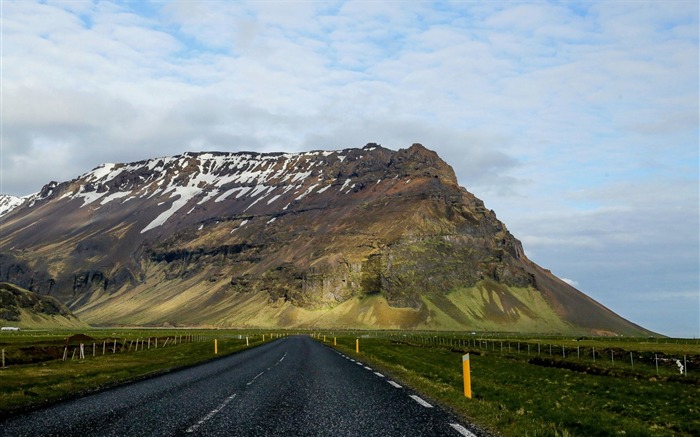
x,y
288,387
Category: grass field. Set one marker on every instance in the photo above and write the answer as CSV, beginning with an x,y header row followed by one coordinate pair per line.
x,y
36,373
529,395
523,386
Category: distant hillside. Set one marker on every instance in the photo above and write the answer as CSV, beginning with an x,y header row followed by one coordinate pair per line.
x,y
24,309
355,238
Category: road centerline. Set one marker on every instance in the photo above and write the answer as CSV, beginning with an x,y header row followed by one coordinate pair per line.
x,y
211,414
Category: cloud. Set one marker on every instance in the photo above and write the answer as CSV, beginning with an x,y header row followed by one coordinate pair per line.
x,y
576,123
570,282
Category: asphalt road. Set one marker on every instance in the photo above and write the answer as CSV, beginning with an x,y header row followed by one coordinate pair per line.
x,y
289,387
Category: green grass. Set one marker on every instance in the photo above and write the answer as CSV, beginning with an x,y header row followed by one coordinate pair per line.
x,y
515,394
512,396
27,386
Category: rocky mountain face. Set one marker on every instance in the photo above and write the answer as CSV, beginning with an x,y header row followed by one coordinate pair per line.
x,y
366,237
8,203
22,308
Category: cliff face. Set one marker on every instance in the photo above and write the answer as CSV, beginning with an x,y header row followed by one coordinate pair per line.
x,y
22,308
355,238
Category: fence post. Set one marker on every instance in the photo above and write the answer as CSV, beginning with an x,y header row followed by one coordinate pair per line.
x,y
114,351
3,358
632,360
656,358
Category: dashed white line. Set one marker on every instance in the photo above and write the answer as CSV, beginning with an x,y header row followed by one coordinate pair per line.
x,y
394,384
379,374
211,414
256,377
368,368
358,363
462,430
421,401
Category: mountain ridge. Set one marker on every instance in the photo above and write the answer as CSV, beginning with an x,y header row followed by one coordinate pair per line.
x,y
303,233
24,309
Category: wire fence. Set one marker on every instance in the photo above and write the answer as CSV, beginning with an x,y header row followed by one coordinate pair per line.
x,y
607,359
80,347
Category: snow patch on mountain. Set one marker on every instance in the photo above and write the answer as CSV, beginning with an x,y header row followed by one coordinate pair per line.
x,y
193,179
8,203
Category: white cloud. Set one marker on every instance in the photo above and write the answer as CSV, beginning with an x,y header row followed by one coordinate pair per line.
x,y
570,282
576,123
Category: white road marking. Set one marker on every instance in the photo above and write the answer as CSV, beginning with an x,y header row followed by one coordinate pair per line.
x,y
256,377
394,384
462,430
358,363
211,414
379,374
368,368
261,373
421,401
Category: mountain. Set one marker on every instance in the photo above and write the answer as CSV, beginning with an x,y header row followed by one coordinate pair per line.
x,y
8,203
24,309
358,238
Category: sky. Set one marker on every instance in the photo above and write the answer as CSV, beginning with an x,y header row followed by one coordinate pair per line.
x,y
576,122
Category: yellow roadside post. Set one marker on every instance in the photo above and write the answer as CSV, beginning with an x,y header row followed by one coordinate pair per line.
x,y
467,376
324,338
334,343
357,345
216,347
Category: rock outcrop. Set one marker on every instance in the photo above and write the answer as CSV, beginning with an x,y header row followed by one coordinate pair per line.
x,y
366,237
22,308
